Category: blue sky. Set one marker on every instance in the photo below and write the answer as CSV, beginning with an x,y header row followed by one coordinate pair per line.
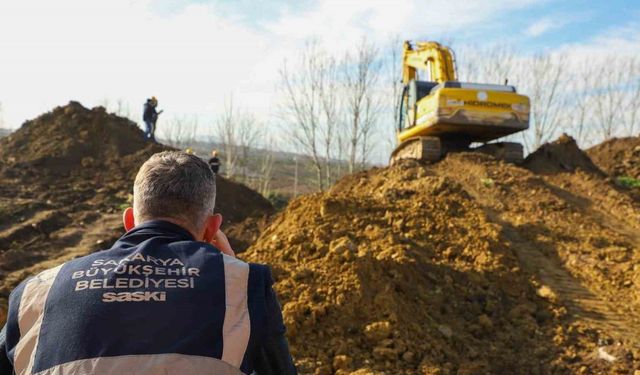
x,y
568,21
193,55
530,25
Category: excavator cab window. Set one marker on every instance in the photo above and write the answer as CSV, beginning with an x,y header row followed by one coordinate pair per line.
x,y
424,88
402,109
411,94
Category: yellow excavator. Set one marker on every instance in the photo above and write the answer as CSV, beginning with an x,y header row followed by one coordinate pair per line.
x,y
438,114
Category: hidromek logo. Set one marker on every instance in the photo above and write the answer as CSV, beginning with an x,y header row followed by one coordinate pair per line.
x,y
134,297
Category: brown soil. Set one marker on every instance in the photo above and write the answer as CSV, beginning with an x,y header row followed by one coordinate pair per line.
x,y
466,266
562,155
618,156
65,177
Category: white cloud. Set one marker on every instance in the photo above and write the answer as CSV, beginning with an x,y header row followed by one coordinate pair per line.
x,y
194,57
541,26
339,24
556,21
620,41
89,50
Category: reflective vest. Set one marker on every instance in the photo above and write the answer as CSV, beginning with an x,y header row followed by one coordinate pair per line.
x,y
157,302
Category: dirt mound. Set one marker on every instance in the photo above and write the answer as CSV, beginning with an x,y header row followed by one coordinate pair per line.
x,y
466,266
562,155
72,137
619,157
65,178
92,149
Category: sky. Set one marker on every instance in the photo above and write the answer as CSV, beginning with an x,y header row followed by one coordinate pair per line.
x,y
194,55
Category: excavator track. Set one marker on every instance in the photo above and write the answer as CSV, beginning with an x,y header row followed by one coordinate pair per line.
x,y
419,148
581,302
432,149
584,302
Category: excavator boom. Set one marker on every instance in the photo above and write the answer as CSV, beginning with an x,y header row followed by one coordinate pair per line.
x,y
431,57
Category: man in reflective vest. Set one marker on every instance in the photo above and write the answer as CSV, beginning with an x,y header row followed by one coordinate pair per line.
x,y
168,298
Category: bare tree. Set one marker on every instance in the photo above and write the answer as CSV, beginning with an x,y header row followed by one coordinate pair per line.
x,y
328,87
393,81
494,64
361,73
301,109
580,102
225,133
249,132
179,132
499,68
542,81
632,89
120,106
266,168
237,131
341,146
610,100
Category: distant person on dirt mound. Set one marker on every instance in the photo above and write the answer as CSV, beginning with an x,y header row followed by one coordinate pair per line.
x,y
214,162
169,297
150,118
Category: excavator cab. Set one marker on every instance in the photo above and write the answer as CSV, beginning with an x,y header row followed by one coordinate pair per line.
x,y
412,93
444,115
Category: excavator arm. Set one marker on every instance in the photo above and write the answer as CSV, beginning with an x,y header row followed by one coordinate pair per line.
x,y
433,57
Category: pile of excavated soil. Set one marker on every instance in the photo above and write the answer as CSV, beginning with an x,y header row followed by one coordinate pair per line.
x,y
562,155
65,178
467,266
73,140
90,149
619,157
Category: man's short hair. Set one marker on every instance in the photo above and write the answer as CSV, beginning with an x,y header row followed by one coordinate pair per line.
x,y
176,185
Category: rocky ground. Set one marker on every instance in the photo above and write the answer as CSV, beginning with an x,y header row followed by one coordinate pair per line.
x,y
466,266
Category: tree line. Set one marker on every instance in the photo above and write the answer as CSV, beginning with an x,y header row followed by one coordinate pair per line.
x,y
338,108
593,98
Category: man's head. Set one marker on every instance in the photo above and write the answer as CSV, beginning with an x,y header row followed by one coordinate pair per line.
x,y
214,153
176,187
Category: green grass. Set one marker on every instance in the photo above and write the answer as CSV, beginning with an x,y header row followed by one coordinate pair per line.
x,y
628,182
487,182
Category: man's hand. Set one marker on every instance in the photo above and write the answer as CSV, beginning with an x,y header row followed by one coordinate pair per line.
x,y
221,241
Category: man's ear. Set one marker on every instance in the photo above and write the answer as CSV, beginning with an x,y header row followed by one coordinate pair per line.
x,y
128,219
212,226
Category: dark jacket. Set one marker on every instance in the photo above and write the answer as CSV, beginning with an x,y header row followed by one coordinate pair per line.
x,y
157,302
214,163
150,114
